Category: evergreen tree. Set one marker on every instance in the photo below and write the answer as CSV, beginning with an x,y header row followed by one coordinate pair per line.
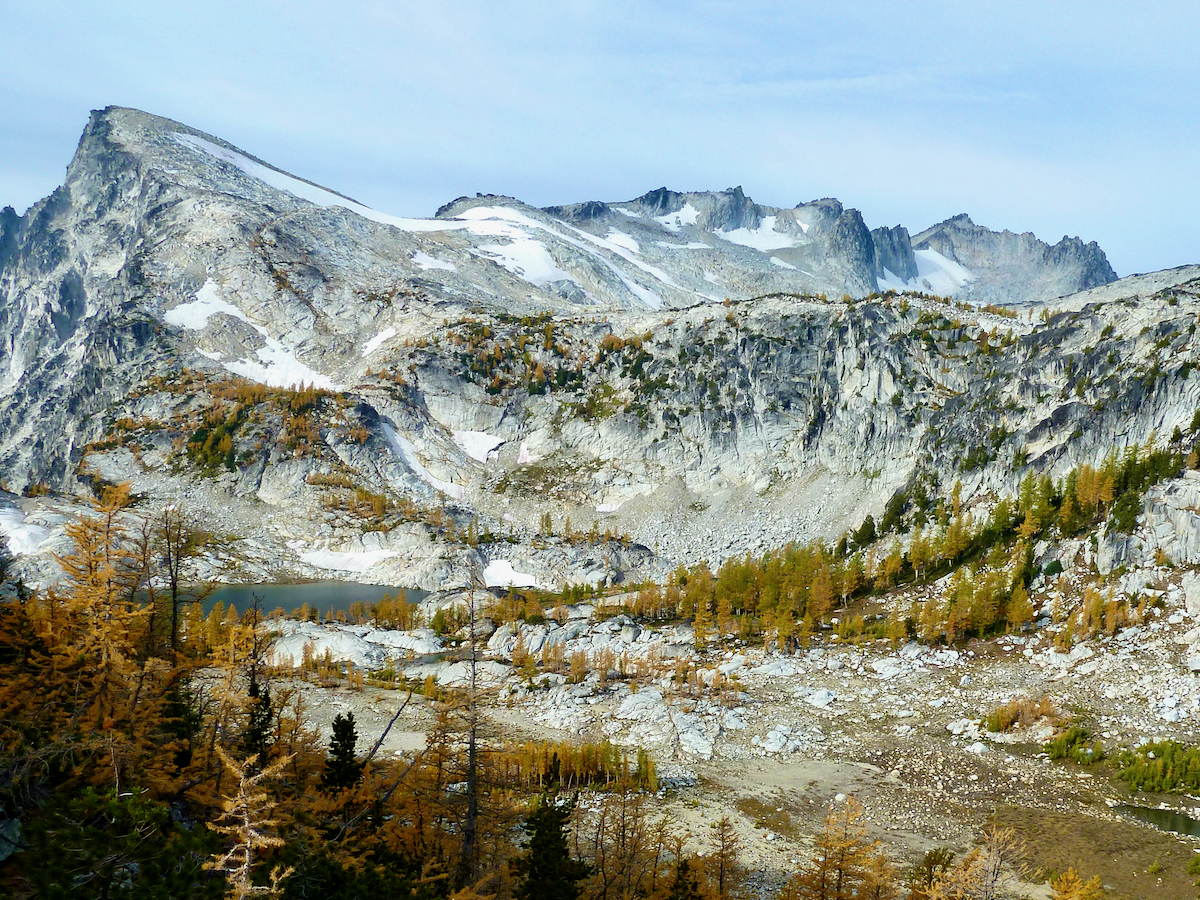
x,y
685,885
865,535
256,739
342,770
546,869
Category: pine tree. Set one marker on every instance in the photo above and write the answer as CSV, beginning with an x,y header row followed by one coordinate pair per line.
x,y
820,594
702,624
725,620
256,739
342,770
1020,609
852,578
685,885
546,869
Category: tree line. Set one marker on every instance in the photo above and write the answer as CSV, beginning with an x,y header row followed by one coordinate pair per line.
x,y
145,754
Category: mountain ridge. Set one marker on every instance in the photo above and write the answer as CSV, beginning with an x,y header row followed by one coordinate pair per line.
x,y
677,364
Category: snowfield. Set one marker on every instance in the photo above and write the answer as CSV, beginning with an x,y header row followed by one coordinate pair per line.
x,y
195,315
278,365
500,573
358,561
764,237
935,275
374,343
306,190
477,444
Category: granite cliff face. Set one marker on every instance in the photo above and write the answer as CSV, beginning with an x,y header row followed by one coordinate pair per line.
x,y
499,362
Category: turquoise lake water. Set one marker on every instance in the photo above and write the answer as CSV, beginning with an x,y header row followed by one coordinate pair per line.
x,y
322,596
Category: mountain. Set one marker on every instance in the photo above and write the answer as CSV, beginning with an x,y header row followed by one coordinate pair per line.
x,y
333,387
1005,266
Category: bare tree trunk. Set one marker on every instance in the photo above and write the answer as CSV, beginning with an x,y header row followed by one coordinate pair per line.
x,y
466,867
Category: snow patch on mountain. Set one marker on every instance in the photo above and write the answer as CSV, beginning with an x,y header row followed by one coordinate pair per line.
x,y
528,258
477,444
425,261
764,237
346,560
195,315
306,191
500,573
278,365
280,368
407,452
676,220
943,275
526,457
621,239
22,537
935,275
499,220
373,344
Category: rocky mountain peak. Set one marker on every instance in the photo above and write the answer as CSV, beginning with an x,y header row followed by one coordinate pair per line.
x,y
998,260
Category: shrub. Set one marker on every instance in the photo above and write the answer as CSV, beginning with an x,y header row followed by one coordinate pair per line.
x,y
1019,713
1073,745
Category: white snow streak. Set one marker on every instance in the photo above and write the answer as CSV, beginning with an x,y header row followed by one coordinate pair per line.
x,y
347,560
676,220
621,239
528,258
499,220
943,275
278,365
408,453
525,456
195,314
373,344
310,192
280,368
935,275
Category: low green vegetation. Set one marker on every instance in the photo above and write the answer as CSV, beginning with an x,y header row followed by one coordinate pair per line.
x,y
1076,745
1163,767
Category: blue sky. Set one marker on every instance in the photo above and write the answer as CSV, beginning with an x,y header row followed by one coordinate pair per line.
x,y
1080,119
